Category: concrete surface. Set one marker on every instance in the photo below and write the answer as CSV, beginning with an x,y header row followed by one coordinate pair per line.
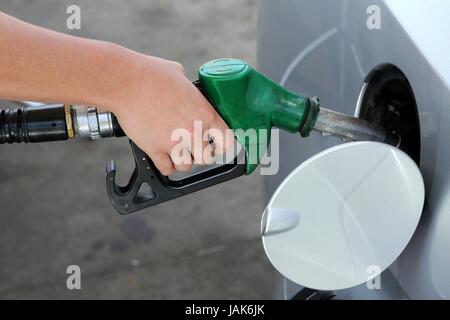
x,y
54,209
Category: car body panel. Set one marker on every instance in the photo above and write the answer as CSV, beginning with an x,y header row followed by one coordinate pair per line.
x,y
324,48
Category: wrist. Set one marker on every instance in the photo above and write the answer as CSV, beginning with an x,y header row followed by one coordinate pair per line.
x,y
133,80
128,78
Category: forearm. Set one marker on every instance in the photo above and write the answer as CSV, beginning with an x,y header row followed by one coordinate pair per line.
x,y
42,65
150,96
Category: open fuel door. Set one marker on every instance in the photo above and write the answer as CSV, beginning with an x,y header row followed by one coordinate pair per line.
x,y
344,215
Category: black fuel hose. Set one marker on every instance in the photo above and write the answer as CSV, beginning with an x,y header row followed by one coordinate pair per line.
x,y
31,124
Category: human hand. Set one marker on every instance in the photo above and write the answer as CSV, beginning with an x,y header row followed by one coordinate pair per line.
x,y
161,100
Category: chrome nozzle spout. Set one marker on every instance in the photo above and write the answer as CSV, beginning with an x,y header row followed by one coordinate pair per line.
x,y
350,128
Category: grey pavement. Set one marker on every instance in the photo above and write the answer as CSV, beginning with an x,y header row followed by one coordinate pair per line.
x,y
54,211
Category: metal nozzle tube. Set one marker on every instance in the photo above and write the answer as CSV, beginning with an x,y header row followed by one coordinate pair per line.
x,y
352,129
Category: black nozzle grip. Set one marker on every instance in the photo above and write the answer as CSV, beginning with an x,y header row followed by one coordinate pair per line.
x,y
130,198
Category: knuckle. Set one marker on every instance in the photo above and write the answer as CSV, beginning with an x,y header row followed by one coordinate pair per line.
x,y
178,66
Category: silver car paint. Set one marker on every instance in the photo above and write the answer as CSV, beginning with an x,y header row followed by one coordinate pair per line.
x,y
324,48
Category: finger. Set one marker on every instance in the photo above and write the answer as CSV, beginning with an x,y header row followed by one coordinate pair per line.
x,y
208,154
221,135
163,163
198,147
182,161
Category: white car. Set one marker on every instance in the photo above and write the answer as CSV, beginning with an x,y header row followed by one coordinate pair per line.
x,y
386,61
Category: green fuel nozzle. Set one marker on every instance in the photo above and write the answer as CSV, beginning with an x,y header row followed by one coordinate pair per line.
x,y
248,100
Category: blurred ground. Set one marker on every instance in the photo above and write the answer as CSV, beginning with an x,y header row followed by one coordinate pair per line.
x,y
54,209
